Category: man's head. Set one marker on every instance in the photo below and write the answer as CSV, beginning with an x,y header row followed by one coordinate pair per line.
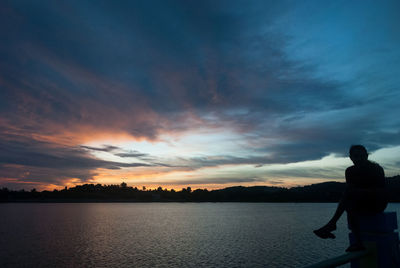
x,y
358,154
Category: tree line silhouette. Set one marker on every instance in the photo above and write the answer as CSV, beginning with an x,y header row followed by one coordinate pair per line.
x,y
320,192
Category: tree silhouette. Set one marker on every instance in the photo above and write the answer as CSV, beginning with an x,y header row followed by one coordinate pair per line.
x,y
321,192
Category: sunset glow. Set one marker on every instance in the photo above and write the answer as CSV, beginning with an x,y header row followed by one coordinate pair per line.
x,y
203,94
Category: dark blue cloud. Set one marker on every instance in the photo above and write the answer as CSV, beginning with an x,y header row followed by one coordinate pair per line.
x,y
314,78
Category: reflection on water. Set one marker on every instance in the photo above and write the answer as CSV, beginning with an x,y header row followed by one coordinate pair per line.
x,y
166,235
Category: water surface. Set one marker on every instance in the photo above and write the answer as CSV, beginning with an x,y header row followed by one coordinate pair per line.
x,y
167,234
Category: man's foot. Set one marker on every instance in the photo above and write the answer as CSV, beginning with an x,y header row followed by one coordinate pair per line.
x,y
329,227
326,231
324,234
355,247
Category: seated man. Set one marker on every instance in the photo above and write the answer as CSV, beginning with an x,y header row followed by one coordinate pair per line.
x,y
365,194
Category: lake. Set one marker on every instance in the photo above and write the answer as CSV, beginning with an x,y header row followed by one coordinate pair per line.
x,y
167,234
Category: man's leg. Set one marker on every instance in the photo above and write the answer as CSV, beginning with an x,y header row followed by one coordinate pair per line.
x,y
353,218
344,205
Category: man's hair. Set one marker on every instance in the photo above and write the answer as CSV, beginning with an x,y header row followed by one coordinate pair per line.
x,y
357,148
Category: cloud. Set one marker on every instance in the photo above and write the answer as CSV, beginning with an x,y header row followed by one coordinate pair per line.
x,y
39,162
211,181
294,86
134,154
105,148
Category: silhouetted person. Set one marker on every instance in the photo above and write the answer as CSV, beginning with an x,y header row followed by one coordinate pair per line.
x,y
365,193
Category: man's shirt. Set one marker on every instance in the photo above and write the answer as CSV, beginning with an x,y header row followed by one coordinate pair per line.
x,y
370,175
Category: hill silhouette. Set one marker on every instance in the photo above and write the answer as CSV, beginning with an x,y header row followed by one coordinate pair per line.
x,y
320,192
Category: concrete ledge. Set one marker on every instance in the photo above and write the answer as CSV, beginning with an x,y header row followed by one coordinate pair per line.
x,y
342,259
385,222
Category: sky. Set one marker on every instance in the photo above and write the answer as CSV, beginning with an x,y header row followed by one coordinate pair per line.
x,y
206,94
